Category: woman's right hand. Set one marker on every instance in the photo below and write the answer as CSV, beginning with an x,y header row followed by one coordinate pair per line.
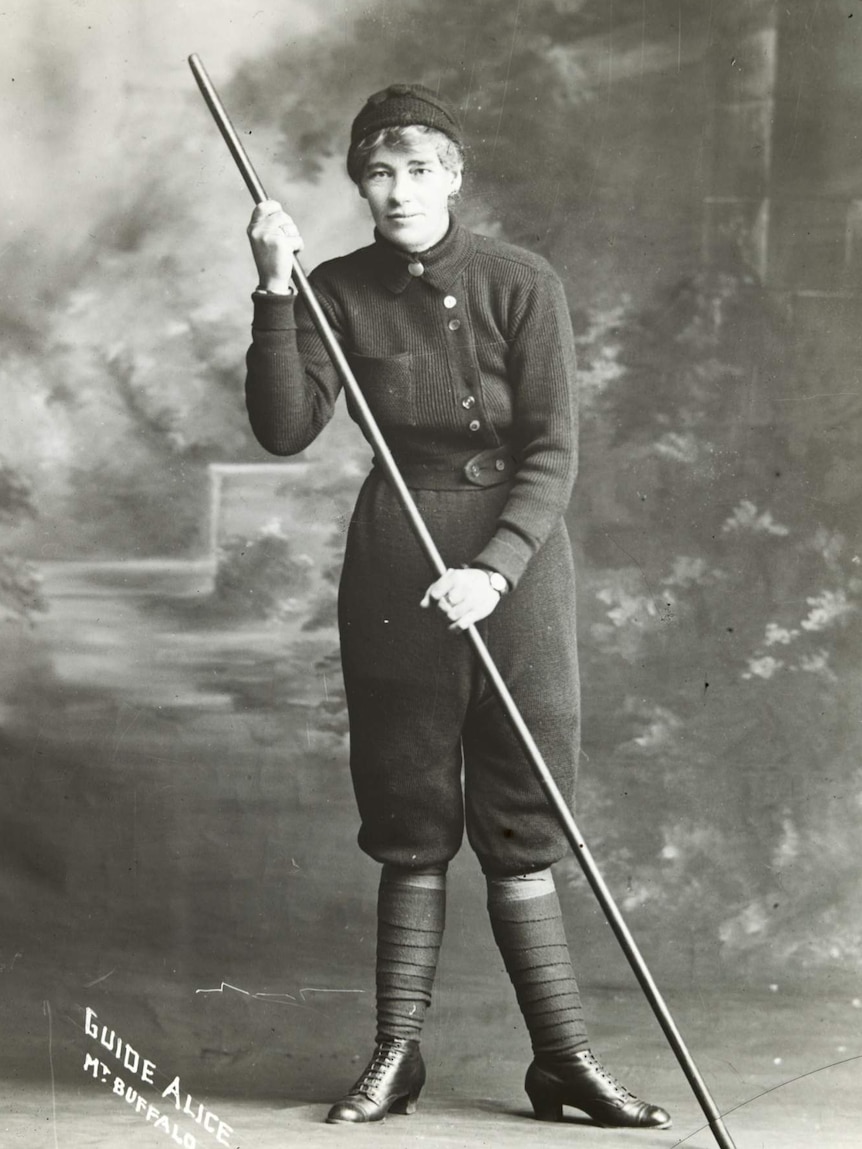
x,y
274,239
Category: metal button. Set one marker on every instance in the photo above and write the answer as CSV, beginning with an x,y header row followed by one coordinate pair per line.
x,y
475,425
449,301
475,470
416,268
454,324
469,402
500,464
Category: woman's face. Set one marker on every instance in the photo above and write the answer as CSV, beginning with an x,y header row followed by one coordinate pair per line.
x,y
408,192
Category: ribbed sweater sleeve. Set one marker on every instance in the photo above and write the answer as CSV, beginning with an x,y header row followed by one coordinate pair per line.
x,y
542,374
291,385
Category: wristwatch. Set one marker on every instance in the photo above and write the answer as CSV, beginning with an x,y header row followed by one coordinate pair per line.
x,y
499,582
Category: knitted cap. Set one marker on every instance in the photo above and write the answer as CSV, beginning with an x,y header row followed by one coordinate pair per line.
x,y
400,105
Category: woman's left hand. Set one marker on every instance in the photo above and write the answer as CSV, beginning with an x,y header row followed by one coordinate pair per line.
x,y
465,596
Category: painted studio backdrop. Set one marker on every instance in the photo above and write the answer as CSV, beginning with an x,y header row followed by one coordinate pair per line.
x,y
177,828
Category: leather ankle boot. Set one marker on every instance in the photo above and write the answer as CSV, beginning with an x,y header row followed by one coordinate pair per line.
x,y
390,1083
582,1082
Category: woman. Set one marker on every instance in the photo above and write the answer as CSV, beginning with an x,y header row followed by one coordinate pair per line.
x,y
463,348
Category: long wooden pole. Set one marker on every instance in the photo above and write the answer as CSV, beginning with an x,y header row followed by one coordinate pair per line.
x,y
540,767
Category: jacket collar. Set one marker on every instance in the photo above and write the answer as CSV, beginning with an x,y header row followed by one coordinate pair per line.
x,y
442,263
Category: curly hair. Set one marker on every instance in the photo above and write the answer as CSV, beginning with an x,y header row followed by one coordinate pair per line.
x,y
403,139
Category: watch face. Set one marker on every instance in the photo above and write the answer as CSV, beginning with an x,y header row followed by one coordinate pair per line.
x,y
498,582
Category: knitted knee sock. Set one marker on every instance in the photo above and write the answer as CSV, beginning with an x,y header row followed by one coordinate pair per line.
x,y
528,928
411,912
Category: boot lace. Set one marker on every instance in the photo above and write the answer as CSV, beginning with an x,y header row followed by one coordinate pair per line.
x,y
382,1060
589,1058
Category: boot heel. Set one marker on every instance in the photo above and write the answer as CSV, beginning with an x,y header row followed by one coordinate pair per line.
x,y
545,1108
406,1105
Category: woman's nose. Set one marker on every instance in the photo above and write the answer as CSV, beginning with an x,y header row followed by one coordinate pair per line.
x,y
398,189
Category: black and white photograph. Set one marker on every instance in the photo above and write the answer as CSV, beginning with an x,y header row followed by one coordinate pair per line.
x,y
431,574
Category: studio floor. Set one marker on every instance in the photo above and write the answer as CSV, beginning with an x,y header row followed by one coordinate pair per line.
x,y
783,1069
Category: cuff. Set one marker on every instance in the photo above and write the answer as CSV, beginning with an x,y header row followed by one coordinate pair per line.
x,y
273,312
507,553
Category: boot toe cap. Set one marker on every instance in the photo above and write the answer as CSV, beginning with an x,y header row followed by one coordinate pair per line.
x,y
654,1117
352,1111
632,1114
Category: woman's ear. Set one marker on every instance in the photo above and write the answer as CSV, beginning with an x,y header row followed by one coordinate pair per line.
x,y
456,182
361,191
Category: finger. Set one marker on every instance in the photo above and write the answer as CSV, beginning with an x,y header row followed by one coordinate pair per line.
x,y
466,621
456,611
431,595
441,587
279,230
451,609
285,224
265,210
269,207
294,242
275,222
436,590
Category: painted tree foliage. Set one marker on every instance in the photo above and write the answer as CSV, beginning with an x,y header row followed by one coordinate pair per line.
x,y
20,595
722,626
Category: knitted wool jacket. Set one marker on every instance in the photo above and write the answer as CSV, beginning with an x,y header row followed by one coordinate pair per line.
x,y
476,351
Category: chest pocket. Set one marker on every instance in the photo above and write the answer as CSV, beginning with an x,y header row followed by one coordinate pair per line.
x,y
389,388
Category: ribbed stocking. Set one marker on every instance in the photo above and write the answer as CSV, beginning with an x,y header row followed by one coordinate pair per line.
x,y
528,927
411,913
